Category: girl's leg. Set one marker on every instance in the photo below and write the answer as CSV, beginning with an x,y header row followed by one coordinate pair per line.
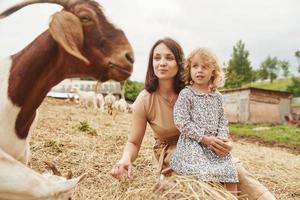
x,y
232,187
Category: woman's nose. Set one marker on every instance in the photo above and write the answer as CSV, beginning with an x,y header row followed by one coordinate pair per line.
x,y
163,61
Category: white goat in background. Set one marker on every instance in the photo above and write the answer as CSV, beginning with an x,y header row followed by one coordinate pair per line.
x,y
100,102
86,97
109,100
121,105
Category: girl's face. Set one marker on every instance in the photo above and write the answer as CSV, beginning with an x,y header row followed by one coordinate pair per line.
x,y
200,74
164,63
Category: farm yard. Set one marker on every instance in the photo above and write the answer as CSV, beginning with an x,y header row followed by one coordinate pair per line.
x,y
86,141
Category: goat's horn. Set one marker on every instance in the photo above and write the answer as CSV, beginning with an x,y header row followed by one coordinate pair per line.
x,y
7,12
69,175
53,168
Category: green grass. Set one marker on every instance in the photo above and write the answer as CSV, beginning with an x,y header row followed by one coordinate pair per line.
x,y
295,104
284,134
85,127
278,85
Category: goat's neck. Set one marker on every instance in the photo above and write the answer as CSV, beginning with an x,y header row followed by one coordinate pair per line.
x,y
35,70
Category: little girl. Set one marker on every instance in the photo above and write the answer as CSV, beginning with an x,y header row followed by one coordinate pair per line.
x,y
199,116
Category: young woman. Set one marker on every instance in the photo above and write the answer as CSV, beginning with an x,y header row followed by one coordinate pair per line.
x,y
200,117
154,105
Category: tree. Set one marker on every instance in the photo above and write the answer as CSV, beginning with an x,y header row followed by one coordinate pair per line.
x,y
239,70
132,89
294,87
269,68
255,75
297,54
284,65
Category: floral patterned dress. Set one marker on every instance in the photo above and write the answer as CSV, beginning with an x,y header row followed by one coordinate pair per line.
x,y
195,115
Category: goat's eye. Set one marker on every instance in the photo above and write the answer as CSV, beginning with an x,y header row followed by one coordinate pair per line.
x,y
85,18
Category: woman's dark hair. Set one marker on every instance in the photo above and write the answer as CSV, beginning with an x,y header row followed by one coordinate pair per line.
x,y
151,82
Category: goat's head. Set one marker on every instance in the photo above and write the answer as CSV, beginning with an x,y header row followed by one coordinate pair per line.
x,y
82,30
62,186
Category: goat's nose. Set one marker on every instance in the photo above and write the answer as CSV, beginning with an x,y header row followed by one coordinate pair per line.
x,y
129,56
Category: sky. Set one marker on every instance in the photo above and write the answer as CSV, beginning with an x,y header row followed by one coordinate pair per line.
x,y
268,28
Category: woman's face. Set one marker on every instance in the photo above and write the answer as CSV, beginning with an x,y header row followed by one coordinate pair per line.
x,y
164,63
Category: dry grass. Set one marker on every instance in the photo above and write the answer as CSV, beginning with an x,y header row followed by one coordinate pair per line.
x,y
60,138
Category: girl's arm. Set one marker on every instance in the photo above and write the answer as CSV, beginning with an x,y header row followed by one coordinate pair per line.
x,y
223,130
221,145
182,118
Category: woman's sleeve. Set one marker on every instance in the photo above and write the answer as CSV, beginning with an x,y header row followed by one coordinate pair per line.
x,y
182,118
223,130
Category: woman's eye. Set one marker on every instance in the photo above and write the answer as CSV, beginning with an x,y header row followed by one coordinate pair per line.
x,y
85,18
156,58
170,58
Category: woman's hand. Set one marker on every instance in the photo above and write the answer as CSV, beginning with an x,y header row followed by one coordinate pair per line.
x,y
122,170
221,146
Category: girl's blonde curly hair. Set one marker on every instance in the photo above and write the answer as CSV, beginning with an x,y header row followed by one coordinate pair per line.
x,y
207,58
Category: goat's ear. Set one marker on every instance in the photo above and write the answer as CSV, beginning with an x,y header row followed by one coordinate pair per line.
x,y
66,29
64,186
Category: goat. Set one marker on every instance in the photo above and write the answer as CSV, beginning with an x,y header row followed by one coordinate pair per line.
x,y
86,97
79,42
18,182
121,105
100,102
109,101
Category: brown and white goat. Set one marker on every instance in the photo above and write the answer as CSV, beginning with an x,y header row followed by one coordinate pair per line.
x,y
79,42
19,182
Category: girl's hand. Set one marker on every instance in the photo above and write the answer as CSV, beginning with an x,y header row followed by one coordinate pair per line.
x,y
122,170
221,146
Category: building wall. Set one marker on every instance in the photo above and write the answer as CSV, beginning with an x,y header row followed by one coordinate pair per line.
x,y
296,113
237,106
256,106
295,110
64,87
263,112
284,108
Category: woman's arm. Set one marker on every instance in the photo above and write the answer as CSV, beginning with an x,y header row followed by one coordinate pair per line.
x,y
132,147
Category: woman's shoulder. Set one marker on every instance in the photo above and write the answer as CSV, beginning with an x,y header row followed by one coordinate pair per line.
x,y
143,98
143,95
141,101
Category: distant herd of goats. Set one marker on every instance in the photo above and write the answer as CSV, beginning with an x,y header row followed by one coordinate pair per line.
x,y
99,102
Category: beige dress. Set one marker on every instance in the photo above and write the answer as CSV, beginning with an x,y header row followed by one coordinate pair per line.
x,y
159,114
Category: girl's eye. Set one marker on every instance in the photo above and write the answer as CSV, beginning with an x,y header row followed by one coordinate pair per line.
x,y
85,18
194,66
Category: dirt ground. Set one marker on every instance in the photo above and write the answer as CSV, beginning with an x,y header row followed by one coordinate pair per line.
x,y
58,139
